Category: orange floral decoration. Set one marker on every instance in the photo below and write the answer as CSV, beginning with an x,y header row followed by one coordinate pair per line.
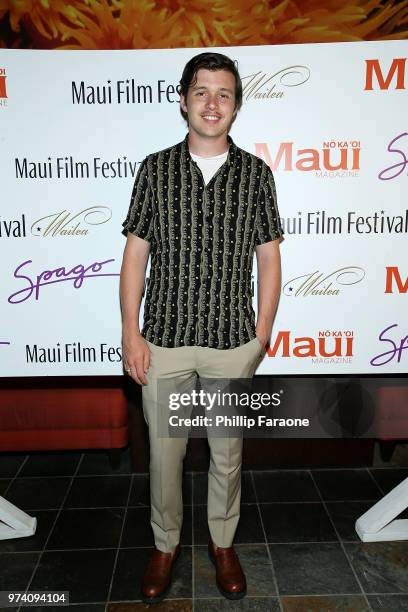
x,y
148,24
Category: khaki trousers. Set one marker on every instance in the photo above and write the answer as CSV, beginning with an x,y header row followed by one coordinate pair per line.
x,y
167,454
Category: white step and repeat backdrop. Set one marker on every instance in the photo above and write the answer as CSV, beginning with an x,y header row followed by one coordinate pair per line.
x,y
331,121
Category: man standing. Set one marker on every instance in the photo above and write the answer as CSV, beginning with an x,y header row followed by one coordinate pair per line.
x,y
200,209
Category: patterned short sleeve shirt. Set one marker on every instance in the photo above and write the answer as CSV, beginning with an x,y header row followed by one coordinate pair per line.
x,y
202,240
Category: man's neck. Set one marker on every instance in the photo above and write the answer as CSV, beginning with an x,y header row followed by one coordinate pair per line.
x,y
207,147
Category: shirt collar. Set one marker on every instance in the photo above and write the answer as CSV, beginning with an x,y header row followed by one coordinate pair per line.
x,y
185,151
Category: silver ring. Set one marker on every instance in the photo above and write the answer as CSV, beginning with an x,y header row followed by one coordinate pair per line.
x,y
128,369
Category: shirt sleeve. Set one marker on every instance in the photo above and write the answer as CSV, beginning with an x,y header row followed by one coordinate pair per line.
x,y
139,220
268,225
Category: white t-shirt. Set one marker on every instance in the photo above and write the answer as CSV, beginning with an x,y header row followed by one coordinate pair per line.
x,y
209,165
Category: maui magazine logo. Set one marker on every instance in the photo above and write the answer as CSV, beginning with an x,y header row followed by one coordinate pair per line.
x,y
320,284
3,88
327,346
334,159
265,85
393,281
66,223
382,77
393,342
399,157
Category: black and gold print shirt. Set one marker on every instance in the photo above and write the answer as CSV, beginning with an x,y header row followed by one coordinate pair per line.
x,y
202,240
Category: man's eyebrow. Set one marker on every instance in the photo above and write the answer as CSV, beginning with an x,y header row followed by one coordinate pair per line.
x,y
195,87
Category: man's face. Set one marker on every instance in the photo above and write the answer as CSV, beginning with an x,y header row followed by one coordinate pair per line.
x,y
210,103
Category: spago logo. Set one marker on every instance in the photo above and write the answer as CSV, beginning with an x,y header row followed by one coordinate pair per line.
x,y
3,90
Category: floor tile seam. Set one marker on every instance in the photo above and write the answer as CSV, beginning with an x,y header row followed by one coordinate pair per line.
x,y
343,594
247,596
119,601
107,475
377,484
187,505
317,501
53,526
238,544
47,477
268,552
261,503
315,469
54,550
295,542
343,548
13,478
79,508
83,476
384,468
120,507
125,505
22,465
291,543
259,596
88,549
119,541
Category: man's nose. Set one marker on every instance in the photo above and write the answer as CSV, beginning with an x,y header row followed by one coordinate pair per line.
x,y
212,101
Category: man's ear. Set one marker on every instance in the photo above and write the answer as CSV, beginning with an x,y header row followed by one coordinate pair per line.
x,y
183,103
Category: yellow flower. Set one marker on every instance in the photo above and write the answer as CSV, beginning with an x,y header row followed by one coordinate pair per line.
x,y
336,21
47,16
136,24
206,23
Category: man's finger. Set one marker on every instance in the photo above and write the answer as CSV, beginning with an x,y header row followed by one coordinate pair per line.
x,y
146,361
140,373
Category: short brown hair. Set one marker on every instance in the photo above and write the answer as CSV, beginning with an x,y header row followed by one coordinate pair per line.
x,y
209,61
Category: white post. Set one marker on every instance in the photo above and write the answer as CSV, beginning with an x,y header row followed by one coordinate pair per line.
x,y
14,523
377,524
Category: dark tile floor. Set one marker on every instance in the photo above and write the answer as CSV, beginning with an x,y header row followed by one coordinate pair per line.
x,y
296,538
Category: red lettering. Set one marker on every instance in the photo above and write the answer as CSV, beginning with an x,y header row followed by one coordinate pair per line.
x,y
343,160
393,274
281,338
337,348
3,92
308,349
373,66
285,149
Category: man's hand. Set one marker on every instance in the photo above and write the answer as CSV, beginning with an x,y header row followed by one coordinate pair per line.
x,y
136,357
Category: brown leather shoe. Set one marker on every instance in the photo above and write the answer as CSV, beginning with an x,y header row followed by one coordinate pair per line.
x,y
157,579
230,578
